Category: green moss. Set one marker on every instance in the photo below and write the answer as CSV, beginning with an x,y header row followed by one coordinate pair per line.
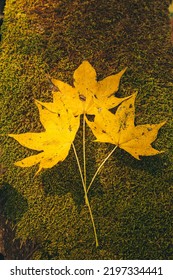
x,y
131,200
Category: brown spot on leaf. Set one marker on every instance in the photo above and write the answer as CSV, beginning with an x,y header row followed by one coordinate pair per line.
x,y
82,97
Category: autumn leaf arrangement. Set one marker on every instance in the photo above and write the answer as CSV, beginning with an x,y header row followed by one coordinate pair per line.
x,y
61,121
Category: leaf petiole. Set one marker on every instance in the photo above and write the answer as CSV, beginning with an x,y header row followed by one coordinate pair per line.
x,y
79,166
86,196
84,150
100,166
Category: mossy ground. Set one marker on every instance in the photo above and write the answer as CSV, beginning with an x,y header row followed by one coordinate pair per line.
x,y
131,200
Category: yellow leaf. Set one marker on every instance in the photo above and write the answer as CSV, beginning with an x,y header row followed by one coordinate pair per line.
x,y
119,129
54,143
87,93
171,8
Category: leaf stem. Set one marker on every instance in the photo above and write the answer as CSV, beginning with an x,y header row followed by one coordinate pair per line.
x,y
79,166
86,196
100,166
84,149
92,219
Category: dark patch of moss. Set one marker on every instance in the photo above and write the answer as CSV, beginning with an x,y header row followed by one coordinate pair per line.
x,y
131,200
12,204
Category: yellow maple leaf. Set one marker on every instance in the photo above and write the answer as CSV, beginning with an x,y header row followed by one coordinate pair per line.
x,y
56,105
119,129
171,8
87,93
54,143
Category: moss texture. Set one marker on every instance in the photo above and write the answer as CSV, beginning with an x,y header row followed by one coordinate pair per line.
x,y
131,200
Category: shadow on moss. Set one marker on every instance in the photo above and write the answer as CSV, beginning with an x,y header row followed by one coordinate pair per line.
x,y
12,204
